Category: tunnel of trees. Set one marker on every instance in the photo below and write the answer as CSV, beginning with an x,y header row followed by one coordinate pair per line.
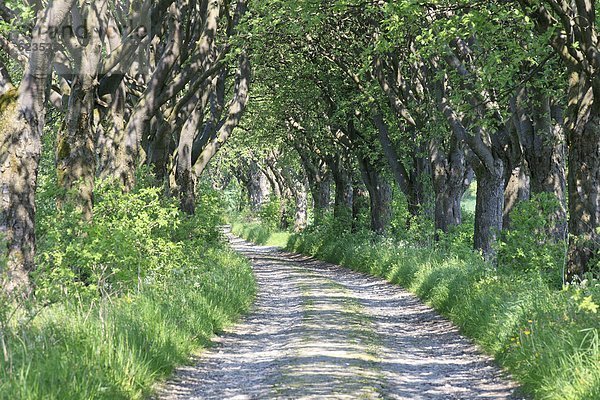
x,y
349,105
132,130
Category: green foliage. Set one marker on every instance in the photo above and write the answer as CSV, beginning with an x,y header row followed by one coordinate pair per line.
x,y
259,234
529,245
269,213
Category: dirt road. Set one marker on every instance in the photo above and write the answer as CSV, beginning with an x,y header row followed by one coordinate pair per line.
x,y
318,331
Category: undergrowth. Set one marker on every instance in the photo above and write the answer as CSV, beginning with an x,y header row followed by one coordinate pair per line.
x,y
547,337
121,301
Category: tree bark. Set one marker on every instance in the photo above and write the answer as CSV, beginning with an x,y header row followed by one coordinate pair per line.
x,y
5,81
76,150
517,190
575,39
256,185
584,183
235,113
451,177
184,175
489,207
148,105
301,200
21,149
380,196
342,209
359,202
540,129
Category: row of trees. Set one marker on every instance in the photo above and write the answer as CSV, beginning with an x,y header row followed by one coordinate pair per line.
x,y
162,83
352,95
427,96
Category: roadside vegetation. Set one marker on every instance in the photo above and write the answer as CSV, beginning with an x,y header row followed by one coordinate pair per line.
x,y
121,301
545,334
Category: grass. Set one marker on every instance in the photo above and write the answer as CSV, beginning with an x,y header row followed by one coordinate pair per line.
x,y
259,234
548,339
118,348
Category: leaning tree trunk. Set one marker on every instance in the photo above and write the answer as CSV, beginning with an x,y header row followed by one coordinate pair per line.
x,y
21,149
147,106
234,116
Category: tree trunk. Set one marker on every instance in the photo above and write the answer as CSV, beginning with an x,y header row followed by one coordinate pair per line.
x,y
419,196
584,194
380,196
184,175
21,149
359,202
489,208
235,113
143,112
5,82
257,187
516,191
451,177
110,140
575,39
301,215
342,209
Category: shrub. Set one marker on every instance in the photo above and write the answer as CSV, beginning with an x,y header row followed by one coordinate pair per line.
x,y
529,246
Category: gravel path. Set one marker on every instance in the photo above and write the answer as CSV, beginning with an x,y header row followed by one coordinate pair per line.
x,y
319,331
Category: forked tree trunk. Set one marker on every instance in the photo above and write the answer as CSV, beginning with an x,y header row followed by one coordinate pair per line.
x,y
236,110
451,177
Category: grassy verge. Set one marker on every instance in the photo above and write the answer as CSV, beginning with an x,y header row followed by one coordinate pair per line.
x,y
118,348
259,234
547,338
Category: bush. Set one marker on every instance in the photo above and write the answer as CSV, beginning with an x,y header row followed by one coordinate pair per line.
x,y
116,348
269,214
529,246
119,301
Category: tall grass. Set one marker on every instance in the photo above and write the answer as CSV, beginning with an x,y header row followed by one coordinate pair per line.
x,y
117,348
547,338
